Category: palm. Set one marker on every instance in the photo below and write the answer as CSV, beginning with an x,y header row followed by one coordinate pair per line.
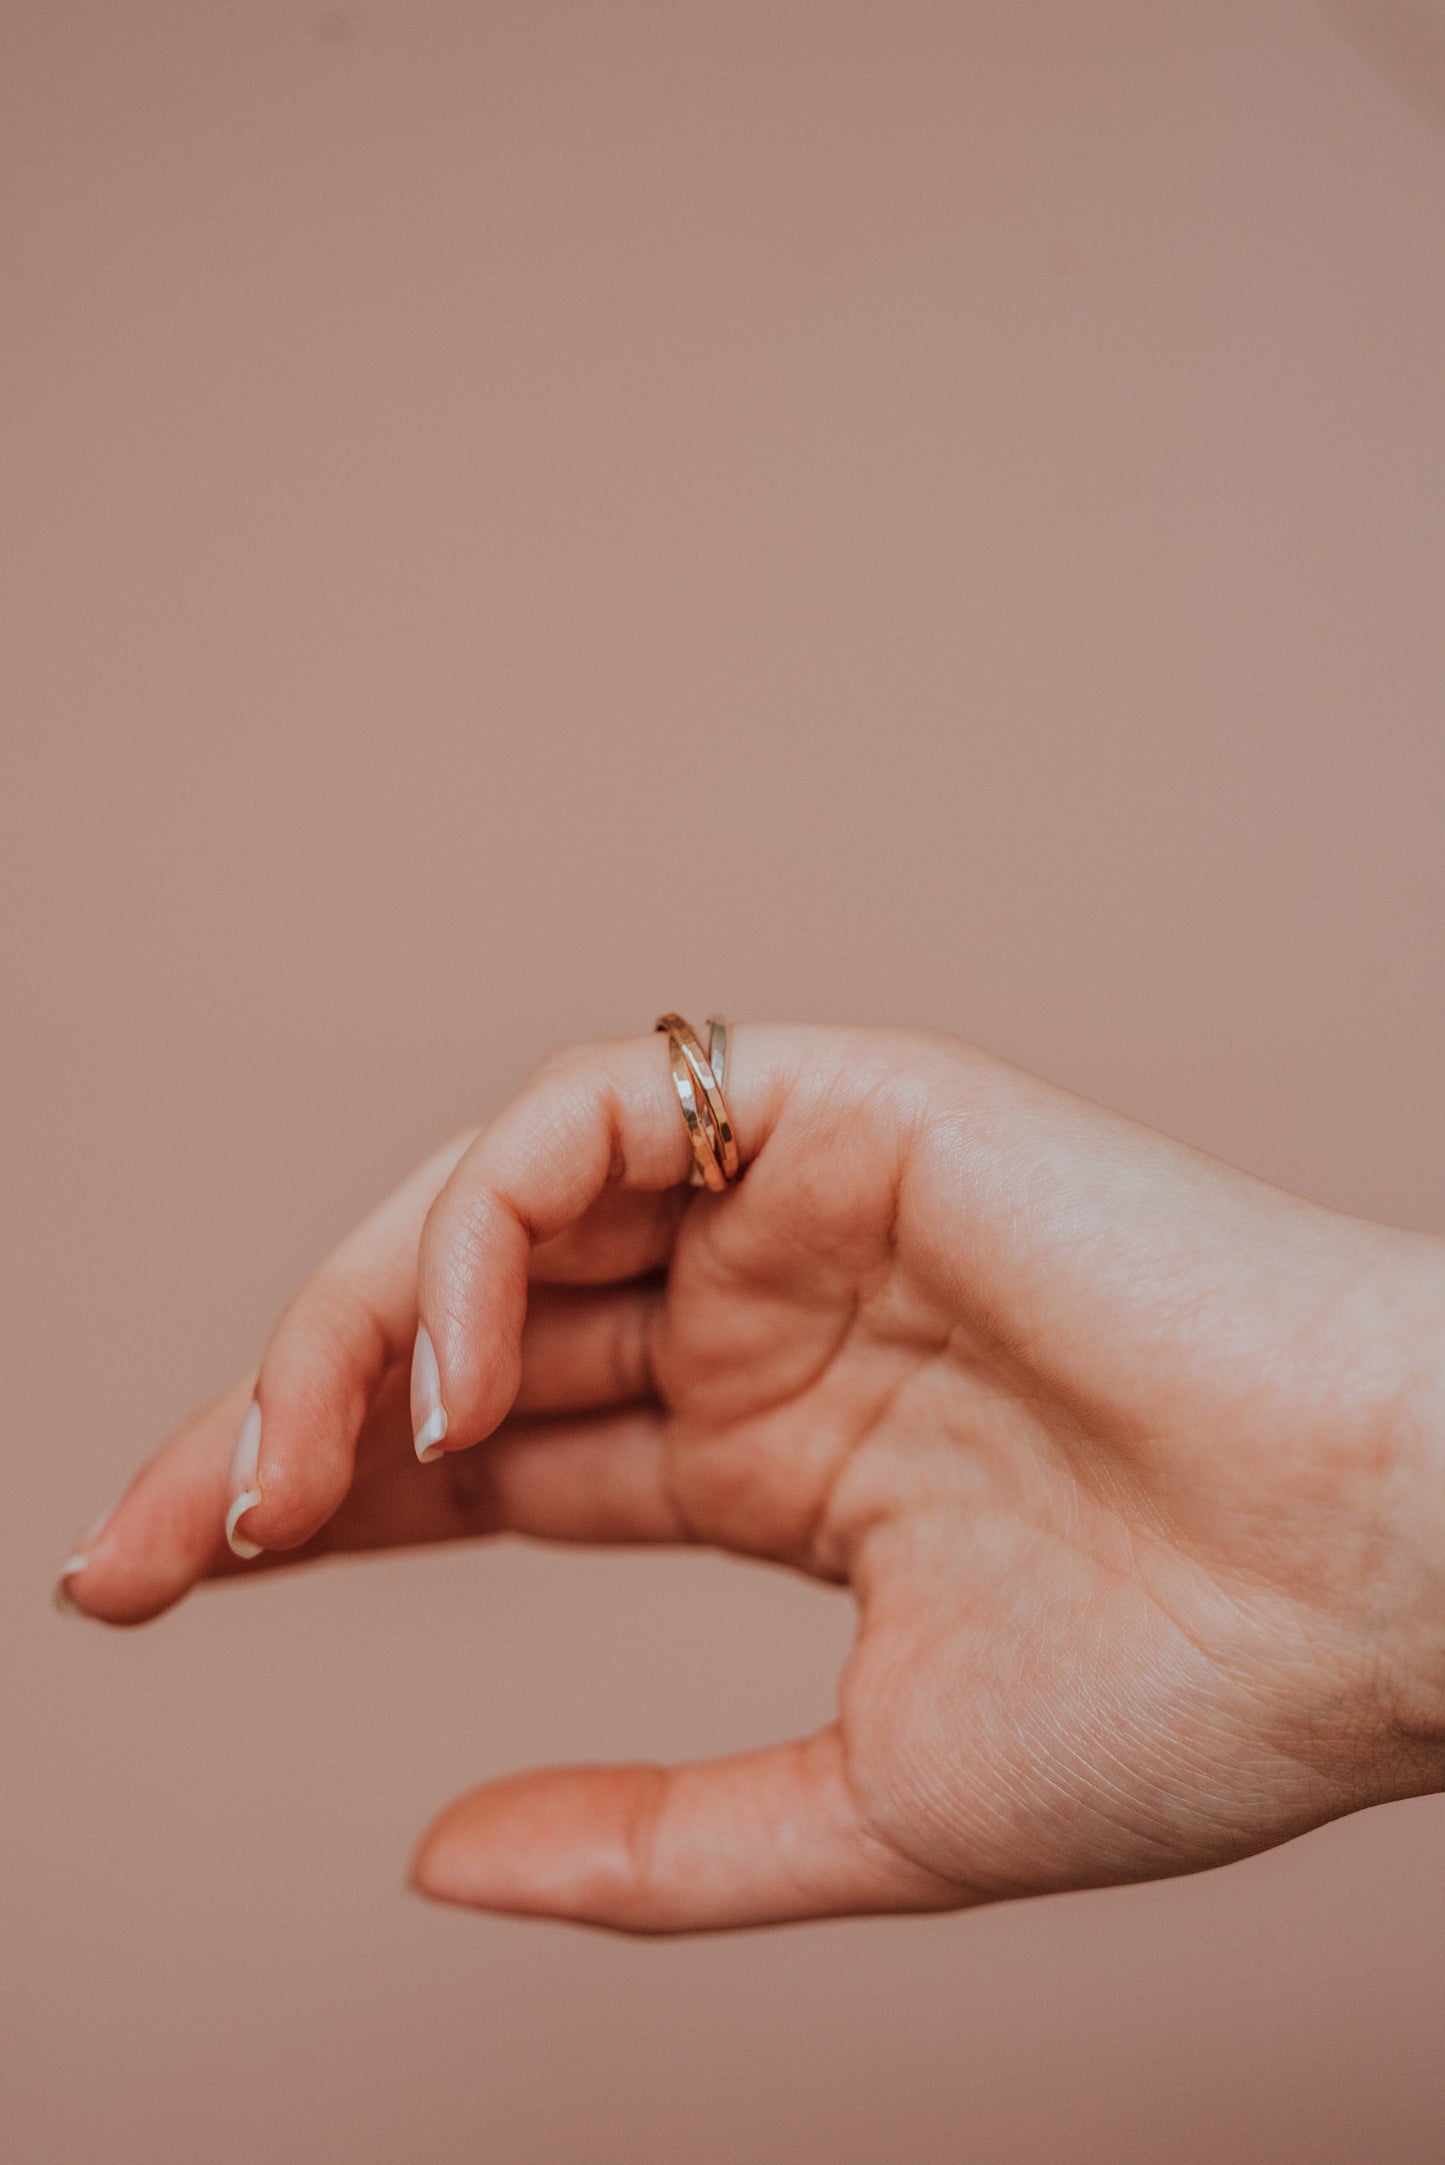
x,y
1069,1658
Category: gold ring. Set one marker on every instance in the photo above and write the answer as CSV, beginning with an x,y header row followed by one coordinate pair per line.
x,y
699,1077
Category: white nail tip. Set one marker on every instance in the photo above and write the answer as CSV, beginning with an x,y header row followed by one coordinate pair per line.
x,y
241,1481
235,1540
429,1436
247,1454
428,1414
74,1564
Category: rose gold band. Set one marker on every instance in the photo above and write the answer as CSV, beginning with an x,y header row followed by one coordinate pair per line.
x,y
699,1077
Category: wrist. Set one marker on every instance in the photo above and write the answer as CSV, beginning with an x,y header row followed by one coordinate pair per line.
x,y
1408,1593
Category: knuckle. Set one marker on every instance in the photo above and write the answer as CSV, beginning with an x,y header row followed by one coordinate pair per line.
x,y
641,1841
338,1322
455,1228
565,1063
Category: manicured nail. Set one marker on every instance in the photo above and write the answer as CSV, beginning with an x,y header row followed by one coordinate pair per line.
x,y
74,1564
428,1414
242,1483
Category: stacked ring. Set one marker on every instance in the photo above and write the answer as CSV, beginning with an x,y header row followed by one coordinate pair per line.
x,y
699,1077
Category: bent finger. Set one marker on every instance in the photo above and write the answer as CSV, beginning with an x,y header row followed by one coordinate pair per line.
x,y
264,1465
597,1116
586,1348
624,1235
167,1531
324,1362
602,1479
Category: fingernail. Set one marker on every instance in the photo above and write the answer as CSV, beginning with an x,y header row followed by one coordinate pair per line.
x,y
242,1483
74,1564
428,1414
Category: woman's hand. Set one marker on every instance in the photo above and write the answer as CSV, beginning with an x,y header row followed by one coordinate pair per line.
x,y
1133,1465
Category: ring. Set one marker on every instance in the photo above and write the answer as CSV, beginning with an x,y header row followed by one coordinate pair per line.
x,y
699,1077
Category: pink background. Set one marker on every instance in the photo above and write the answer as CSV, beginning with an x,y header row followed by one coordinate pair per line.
x,y
518,515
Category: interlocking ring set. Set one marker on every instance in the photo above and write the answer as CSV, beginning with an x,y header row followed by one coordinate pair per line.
x,y
700,1077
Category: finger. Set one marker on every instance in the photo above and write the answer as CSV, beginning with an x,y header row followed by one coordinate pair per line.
x,y
625,1234
587,1349
592,1480
322,1369
599,1480
770,1837
167,1531
325,1360
598,1116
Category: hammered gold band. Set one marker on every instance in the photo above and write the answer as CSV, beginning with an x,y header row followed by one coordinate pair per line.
x,y
700,1077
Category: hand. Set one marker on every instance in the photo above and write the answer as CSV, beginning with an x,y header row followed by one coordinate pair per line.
x,y
1132,1463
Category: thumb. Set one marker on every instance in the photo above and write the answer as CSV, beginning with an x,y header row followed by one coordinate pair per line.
x,y
768,1837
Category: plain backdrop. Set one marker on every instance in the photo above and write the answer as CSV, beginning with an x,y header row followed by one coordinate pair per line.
x,y
522,513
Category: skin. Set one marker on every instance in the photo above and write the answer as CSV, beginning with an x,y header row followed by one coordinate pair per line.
x,y
1130,1461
